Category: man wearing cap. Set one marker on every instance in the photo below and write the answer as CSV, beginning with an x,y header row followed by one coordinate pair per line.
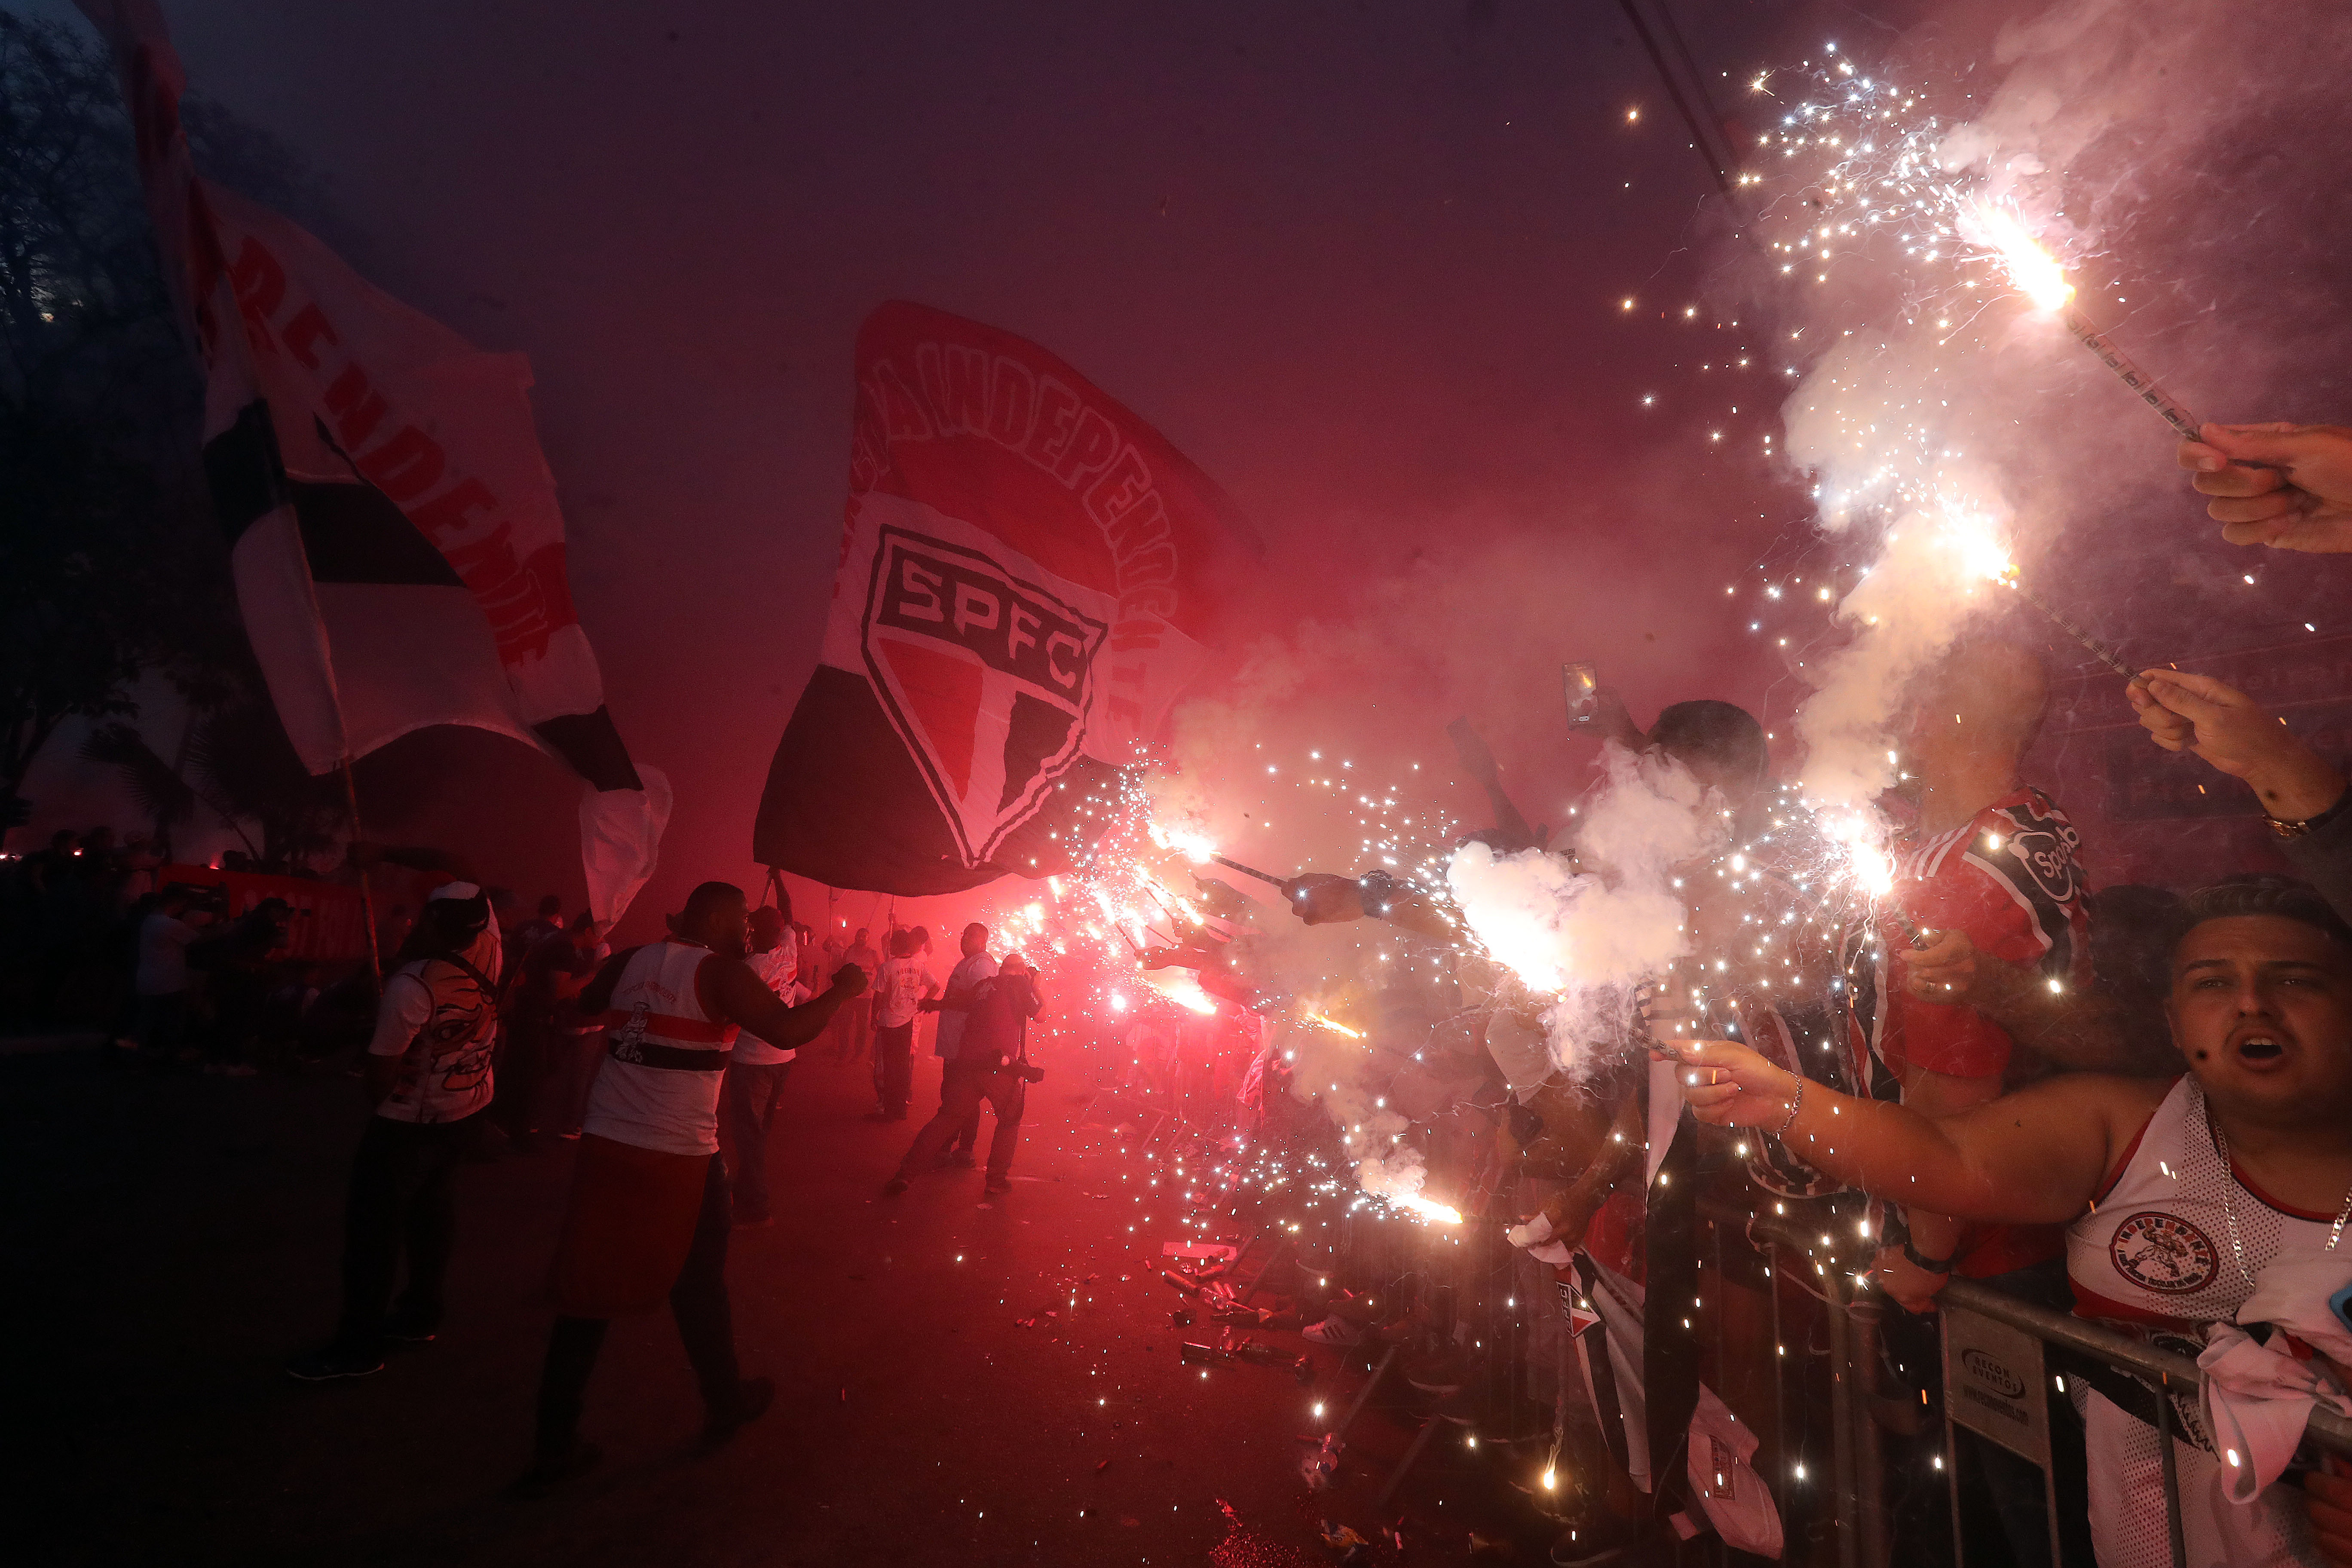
x,y
428,1076
650,1208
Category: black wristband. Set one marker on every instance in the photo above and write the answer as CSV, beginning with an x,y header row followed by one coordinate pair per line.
x,y
1928,1265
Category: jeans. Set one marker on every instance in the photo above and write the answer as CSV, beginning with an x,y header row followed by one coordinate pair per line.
x,y
706,1326
961,1088
400,1200
747,1106
572,1061
522,1067
894,1068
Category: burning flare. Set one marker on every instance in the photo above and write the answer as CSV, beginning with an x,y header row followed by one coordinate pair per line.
x,y
2032,270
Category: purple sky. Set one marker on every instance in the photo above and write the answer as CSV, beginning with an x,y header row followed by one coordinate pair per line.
x,y
1363,262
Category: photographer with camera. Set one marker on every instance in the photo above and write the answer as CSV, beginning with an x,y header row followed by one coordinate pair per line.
x,y
992,1063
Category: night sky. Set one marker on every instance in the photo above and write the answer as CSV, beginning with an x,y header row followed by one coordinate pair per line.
x,y
1365,263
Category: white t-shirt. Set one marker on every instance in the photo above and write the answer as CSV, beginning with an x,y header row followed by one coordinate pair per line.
x,y
962,978
902,982
775,968
164,954
441,1024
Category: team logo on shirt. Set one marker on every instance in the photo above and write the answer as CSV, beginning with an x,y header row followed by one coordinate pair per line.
x,y
2043,844
2164,1253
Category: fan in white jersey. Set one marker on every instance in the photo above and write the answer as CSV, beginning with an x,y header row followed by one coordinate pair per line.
x,y
2179,1195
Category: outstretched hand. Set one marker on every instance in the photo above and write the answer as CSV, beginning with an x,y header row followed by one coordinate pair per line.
x,y
1727,1084
849,980
2286,486
2229,729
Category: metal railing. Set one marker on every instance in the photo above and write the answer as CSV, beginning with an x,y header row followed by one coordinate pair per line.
x,y
2016,1373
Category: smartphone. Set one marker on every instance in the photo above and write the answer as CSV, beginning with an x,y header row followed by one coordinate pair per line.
x,y
1581,685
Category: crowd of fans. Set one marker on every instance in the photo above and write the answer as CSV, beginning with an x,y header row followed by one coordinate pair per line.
x,y
2132,1103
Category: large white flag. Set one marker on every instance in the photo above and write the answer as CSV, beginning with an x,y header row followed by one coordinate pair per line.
x,y
403,537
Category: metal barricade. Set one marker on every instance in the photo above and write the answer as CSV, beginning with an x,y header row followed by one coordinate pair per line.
x,y
1997,1345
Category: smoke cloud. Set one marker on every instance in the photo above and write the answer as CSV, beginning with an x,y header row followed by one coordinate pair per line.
x,y
1585,932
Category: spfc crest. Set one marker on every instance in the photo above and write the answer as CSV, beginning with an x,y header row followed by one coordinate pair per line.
x,y
986,676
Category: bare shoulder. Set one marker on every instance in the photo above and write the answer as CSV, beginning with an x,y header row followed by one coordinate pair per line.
x,y
2071,1103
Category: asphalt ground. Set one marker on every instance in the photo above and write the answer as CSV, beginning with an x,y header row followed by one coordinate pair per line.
x,y
170,1240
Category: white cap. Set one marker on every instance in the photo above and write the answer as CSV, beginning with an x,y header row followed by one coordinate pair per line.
x,y
459,891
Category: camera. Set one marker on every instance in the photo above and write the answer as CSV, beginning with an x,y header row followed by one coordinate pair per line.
x,y
1029,1072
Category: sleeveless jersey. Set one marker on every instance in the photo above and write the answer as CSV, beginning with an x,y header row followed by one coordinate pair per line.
x,y
660,1089
2153,1259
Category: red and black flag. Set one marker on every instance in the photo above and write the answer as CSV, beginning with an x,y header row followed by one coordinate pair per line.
x,y
398,550
1028,576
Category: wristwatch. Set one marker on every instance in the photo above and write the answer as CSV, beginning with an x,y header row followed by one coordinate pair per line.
x,y
2286,829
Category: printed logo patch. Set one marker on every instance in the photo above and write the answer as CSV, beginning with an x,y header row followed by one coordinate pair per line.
x,y
2163,1253
986,679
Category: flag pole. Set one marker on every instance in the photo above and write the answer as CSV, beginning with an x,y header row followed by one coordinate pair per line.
x,y
367,893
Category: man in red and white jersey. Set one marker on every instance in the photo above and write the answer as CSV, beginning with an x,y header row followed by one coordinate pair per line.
x,y
1988,866
2185,1200
650,1209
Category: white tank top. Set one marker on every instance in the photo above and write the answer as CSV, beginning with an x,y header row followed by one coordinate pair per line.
x,y
2154,1259
660,1089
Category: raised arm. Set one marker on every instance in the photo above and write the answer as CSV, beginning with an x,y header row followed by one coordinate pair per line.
x,y
2035,1157
742,997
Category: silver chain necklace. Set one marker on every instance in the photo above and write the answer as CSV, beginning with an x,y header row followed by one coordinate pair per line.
x,y
2229,1200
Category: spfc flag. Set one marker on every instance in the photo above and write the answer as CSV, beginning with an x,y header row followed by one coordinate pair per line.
x,y
1027,581
398,551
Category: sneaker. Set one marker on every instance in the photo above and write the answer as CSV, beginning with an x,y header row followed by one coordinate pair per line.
x,y
1333,1331
330,1363
878,1115
959,1158
1438,1373
894,1186
409,1330
549,1471
752,1398
997,1184
753,1221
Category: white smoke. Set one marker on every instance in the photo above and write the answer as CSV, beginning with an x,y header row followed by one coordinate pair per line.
x,y
1581,933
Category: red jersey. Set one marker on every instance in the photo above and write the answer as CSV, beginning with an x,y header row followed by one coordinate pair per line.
x,y
2008,879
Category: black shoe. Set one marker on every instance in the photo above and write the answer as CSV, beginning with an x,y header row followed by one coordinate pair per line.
x,y
879,1115
960,1158
752,1398
896,1116
894,1186
998,1184
332,1362
549,1471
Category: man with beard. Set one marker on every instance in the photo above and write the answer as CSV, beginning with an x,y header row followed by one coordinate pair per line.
x,y
650,1209
428,1075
